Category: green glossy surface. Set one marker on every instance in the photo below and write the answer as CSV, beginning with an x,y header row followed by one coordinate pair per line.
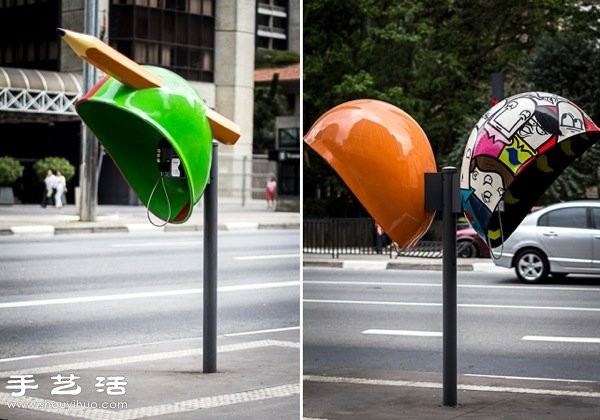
x,y
129,123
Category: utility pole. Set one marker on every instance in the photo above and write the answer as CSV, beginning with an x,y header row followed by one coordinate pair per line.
x,y
88,181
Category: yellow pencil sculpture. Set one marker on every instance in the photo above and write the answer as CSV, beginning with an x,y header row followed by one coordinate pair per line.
x,y
130,73
154,125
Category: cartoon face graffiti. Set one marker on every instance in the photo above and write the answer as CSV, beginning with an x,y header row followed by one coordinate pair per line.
x,y
535,132
571,120
511,117
488,186
488,180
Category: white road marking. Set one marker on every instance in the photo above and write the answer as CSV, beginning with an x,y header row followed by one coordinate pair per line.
x,y
408,333
261,331
243,226
156,244
49,406
130,346
364,265
14,359
461,387
266,257
117,361
143,295
460,305
33,230
460,286
529,378
591,340
369,302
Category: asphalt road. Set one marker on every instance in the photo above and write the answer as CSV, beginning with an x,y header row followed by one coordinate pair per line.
x,y
74,292
392,320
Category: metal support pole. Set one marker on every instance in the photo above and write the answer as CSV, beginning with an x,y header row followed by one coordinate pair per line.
x,y
209,332
244,160
88,181
449,301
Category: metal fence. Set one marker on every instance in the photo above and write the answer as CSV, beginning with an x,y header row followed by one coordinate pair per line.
x,y
356,236
244,177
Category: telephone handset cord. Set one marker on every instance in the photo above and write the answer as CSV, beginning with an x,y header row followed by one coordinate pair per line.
x,y
162,181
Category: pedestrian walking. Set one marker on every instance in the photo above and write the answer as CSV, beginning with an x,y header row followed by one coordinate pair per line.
x,y
379,238
271,192
61,190
49,189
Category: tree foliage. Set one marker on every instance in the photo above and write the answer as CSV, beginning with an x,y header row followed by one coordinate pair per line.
x,y
432,58
269,102
53,163
565,64
10,170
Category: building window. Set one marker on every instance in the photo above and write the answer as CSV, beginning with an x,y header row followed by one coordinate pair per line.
x,y
27,28
176,34
272,20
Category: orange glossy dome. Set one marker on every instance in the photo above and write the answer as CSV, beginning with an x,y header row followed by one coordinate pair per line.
x,y
382,154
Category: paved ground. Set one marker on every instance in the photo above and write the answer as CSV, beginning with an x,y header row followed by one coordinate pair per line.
x,y
257,377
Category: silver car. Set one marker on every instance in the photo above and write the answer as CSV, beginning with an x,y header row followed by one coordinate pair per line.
x,y
558,240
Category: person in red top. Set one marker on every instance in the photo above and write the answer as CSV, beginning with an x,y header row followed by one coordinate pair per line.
x,y
271,192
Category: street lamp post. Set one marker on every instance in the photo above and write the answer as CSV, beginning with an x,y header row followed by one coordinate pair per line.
x,y
89,144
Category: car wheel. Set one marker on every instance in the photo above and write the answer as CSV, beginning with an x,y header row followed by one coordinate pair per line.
x,y
466,249
531,266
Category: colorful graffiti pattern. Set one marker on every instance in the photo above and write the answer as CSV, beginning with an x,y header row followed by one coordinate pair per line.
x,y
512,135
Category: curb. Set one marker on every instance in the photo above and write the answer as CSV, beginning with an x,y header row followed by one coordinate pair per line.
x,y
49,230
383,265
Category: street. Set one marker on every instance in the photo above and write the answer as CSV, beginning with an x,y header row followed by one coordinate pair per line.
x,y
380,322
73,295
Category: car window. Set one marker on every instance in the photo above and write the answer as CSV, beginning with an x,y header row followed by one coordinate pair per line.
x,y
573,217
596,217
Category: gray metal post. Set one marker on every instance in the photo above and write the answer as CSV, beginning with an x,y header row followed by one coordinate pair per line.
x,y
209,332
89,144
244,180
449,302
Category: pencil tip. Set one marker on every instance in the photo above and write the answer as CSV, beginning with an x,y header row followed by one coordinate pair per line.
x,y
60,31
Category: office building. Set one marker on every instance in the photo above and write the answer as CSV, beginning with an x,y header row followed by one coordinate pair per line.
x,y
209,42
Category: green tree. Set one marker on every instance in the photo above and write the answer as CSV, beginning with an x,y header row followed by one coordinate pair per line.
x,y
432,58
53,163
10,170
269,102
566,64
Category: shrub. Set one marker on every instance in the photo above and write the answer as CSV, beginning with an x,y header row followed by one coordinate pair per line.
x,y
54,164
10,170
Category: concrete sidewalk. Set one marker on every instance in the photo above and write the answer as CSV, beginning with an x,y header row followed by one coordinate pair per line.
x,y
23,219
385,262
376,395
257,378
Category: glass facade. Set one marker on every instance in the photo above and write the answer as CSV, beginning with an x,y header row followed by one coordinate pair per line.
x,y
28,34
175,34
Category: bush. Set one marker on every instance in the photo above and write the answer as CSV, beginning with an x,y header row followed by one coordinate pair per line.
x,y
42,166
274,58
10,170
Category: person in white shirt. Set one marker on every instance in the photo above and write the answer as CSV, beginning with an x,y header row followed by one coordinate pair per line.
x,y
61,189
50,184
